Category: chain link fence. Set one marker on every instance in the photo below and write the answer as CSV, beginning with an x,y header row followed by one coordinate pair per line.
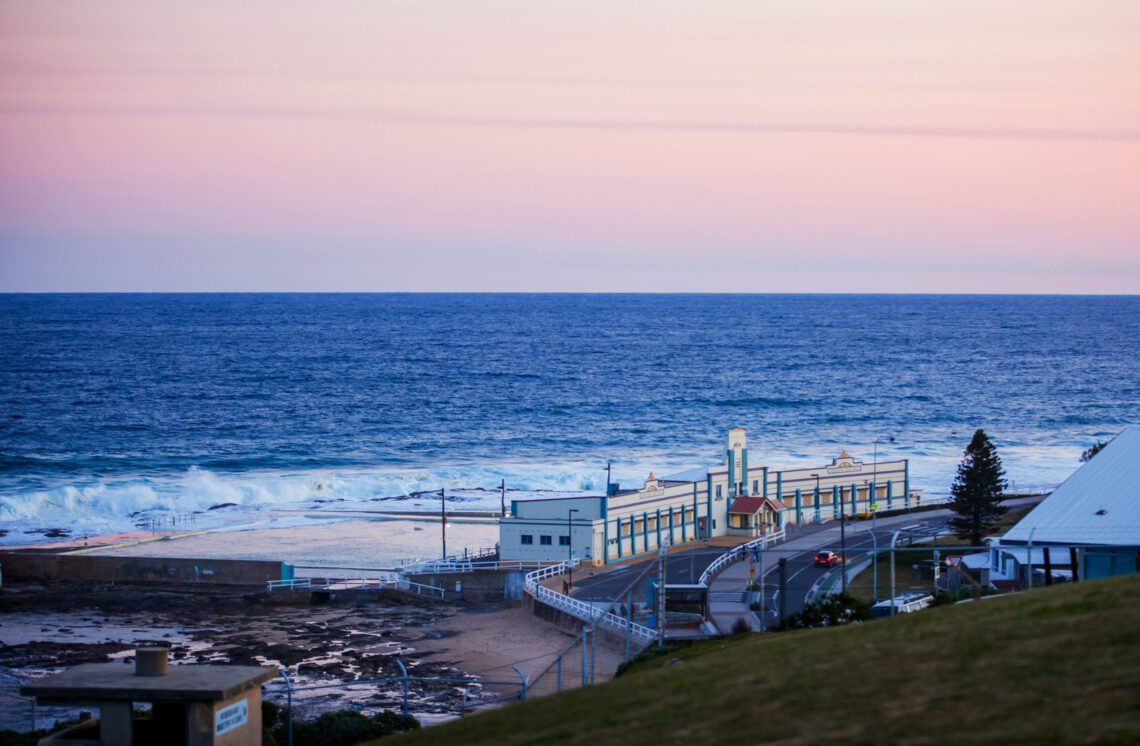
x,y
428,698
22,714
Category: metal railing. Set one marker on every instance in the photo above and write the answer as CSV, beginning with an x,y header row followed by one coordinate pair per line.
x,y
420,589
364,584
462,566
408,693
581,610
738,553
160,522
478,554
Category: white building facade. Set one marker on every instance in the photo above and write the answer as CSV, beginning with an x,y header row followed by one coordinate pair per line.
x,y
734,497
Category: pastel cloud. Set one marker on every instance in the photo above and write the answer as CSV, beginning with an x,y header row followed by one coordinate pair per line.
x,y
515,145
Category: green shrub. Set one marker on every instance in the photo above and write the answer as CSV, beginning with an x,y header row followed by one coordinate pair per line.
x,y
645,656
829,611
345,728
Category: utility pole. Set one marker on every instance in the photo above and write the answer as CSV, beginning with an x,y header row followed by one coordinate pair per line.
x,y
503,497
874,567
608,465
443,521
894,538
661,596
842,543
570,551
872,499
763,592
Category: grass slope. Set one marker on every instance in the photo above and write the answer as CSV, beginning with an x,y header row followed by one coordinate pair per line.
x,y
1058,665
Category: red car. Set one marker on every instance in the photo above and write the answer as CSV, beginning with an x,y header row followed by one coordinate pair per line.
x,y
827,559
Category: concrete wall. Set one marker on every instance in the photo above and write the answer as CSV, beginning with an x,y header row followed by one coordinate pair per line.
x,y
53,567
572,625
476,587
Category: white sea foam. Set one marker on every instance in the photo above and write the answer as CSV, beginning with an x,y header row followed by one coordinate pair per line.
x,y
126,503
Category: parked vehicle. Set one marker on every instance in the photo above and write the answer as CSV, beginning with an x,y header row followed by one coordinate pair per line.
x,y
904,603
827,558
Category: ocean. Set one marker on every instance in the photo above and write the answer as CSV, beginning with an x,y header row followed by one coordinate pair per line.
x,y
119,408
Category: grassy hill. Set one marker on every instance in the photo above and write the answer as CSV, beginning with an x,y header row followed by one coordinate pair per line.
x,y
1058,665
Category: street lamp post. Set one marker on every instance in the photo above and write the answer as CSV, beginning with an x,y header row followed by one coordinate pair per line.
x,y
843,543
570,551
874,567
816,496
894,538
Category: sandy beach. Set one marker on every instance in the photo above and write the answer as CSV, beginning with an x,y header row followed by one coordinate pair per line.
x,y
323,539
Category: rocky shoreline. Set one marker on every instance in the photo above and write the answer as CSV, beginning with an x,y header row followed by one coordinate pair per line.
x,y
323,649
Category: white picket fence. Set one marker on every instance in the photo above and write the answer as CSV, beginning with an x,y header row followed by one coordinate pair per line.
x,y
607,620
738,553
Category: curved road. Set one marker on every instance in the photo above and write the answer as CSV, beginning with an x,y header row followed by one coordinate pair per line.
x,y
799,549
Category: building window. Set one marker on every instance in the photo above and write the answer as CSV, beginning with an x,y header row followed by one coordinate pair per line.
x,y
718,492
545,540
563,541
755,486
527,538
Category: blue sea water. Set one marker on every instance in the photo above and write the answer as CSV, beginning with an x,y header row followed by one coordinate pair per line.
x,y
114,407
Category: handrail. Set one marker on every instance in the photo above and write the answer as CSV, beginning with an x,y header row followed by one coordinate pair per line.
x,y
463,566
402,584
579,609
468,555
737,553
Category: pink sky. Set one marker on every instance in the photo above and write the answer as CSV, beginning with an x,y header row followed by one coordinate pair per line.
x,y
959,146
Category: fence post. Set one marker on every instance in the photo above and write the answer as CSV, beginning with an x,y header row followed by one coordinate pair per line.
x,y
522,686
593,650
782,566
288,706
404,674
629,621
582,679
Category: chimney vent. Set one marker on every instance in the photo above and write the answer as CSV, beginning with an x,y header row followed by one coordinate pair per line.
x,y
150,661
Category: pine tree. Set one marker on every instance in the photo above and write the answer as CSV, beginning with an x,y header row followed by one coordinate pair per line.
x,y
1088,453
977,490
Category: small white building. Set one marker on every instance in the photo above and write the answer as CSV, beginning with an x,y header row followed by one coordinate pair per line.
x,y
1095,513
733,497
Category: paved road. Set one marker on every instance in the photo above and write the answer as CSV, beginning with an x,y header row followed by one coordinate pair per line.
x,y
680,568
800,553
799,549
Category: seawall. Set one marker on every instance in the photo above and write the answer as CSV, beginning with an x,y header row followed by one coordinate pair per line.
x,y
47,568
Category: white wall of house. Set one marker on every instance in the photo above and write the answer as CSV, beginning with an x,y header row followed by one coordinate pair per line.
x,y
543,540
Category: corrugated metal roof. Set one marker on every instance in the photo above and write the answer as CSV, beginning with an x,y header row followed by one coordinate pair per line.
x,y
696,474
1099,504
